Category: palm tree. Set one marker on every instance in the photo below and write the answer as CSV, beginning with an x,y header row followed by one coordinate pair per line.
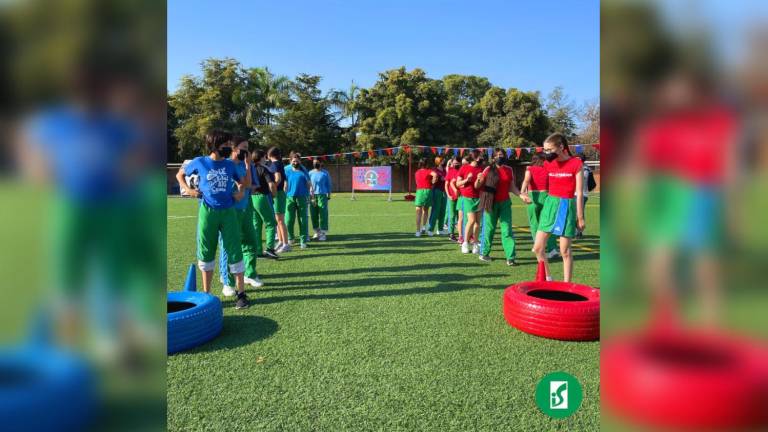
x,y
344,101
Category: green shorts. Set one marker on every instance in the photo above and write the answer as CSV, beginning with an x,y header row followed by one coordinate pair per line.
x,y
470,205
423,198
279,202
558,217
681,214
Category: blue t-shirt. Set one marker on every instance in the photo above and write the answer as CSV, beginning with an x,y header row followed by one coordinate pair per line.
x,y
321,181
277,167
84,152
217,180
297,182
240,169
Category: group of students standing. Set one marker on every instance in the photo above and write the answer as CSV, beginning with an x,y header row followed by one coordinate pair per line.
x,y
473,195
242,193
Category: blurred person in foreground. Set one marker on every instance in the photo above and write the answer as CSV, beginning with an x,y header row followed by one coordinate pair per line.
x,y
687,152
93,151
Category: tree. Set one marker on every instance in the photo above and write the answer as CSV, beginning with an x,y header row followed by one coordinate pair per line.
x,y
305,123
590,118
561,112
514,118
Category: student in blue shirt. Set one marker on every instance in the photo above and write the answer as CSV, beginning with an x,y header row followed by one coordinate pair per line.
x,y
244,213
218,179
321,187
297,191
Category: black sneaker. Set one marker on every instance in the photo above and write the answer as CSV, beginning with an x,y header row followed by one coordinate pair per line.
x,y
511,263
271,254
242,301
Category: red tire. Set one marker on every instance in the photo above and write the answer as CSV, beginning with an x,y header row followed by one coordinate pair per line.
x,y
554,310
688,380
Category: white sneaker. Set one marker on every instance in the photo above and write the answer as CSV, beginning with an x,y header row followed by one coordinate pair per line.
x,y
303,246
228,291
444,231
285,248
423,229
533,250
316,236
418,233
476,248
322,237
430,233
553,253
255,282
465,248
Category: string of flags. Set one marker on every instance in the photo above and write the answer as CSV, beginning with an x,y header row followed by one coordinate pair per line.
x,y
437,151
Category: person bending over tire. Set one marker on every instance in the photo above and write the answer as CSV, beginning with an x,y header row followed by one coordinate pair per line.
x,y
263,191
496,182
321,187
425,179
277,169
298,189
563,209
245,223
535,188
217,213
471,203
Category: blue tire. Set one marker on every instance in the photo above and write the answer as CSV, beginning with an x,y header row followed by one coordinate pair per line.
x,y
193,319
44,389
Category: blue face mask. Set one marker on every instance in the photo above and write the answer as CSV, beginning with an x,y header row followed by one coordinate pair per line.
x,y
225,152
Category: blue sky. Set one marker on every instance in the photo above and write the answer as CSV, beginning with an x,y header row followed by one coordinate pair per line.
x,y
531,45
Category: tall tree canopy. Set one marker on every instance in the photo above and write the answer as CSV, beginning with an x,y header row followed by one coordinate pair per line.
x,y
401,108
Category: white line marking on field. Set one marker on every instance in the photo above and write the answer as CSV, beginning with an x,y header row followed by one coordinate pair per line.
x,y
180,217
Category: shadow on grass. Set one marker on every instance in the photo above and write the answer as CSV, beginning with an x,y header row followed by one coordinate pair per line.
x,y
442,288
240,330
366,270
380,280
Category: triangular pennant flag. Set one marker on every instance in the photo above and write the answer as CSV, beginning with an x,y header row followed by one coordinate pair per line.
x,y
323,157
371,154
490,152
461,151
407,149
579,148
434,150
356,154
596,146
517,152
539,149
332,156
363,155
455,151
439,150
509,153
389,151
395,150
380,152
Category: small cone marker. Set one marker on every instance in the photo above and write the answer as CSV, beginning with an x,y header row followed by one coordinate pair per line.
x,y
541,272
191,283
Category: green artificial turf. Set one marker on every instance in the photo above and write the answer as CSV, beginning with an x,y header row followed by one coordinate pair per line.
x,y
376,330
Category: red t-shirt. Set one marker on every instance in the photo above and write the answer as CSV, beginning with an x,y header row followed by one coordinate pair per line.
x,y
538,178
690,145
561,177
452,173
506,177
423,178
469,191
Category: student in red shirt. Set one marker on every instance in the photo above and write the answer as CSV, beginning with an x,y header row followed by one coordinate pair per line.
x,y
471,202
563,209
437,215
535,187
461,221
452,192
498,180
425,179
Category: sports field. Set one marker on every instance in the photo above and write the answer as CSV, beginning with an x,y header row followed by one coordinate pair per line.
x,y
376,329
